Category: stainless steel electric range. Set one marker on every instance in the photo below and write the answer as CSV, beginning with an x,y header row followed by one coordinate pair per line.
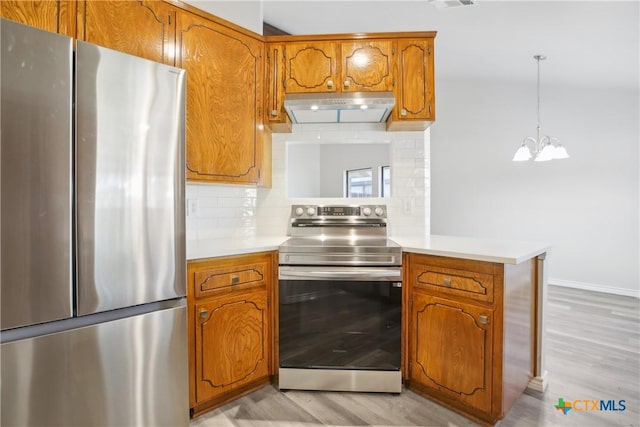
x,y
340,293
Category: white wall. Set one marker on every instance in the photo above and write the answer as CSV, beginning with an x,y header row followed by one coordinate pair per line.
x,y
246,13
307,172
317,170
339,158
408,208
586,206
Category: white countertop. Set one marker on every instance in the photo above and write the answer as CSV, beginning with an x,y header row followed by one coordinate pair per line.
x,y
197,249
502,251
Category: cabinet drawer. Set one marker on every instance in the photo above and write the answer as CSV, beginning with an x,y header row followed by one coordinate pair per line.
x,y
218,280
220,276
449,276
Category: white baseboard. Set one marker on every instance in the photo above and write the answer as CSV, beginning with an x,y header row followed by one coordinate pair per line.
x,y
596,288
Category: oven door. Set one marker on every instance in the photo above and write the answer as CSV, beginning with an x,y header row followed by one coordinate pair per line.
x,y
340,318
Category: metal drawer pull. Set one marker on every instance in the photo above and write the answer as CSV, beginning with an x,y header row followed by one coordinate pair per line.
x,y
235,280
204,313
483,319
447,282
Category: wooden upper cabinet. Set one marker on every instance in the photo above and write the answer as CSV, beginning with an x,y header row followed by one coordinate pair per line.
x,y
224,99
414,90
56,16
367,66
275,116
141,28
402,63
311,67
334,66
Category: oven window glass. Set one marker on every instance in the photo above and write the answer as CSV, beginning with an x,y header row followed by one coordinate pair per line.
x,y
340,324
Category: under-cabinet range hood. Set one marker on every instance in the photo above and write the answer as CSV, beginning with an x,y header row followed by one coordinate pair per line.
x,y
353,107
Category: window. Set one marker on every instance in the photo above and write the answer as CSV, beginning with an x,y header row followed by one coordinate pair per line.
x,y
385,181
359,183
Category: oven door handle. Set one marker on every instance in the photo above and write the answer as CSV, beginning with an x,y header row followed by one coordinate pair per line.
x,y
288,273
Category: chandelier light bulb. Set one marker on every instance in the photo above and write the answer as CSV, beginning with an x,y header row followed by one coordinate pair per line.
x,y
523,154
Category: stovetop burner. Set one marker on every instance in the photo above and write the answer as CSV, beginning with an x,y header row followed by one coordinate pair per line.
x,y
339,235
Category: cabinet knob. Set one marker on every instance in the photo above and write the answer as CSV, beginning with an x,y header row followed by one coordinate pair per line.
x,y
447,282
204,313
483,319
330,84
274,112
403,112
235,280
346,83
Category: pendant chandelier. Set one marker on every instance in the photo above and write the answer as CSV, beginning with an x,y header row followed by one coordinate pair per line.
x,y
540,148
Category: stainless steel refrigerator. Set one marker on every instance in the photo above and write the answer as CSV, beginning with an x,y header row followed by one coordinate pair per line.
x,y
92,240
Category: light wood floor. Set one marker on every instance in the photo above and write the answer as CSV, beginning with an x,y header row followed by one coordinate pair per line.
x,y
593,352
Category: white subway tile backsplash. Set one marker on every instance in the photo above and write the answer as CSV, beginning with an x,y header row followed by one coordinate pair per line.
x,y
231,211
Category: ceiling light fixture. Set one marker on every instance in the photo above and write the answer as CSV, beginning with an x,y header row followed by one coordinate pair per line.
x,y
441,4
543,148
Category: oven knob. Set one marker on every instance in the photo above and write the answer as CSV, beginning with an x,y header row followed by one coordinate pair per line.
x,y
366,211
299,211
379,211
311,211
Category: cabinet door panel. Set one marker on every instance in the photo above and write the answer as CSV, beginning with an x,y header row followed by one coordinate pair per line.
x,y
274,82
367,66
414,95
140,28
451,349
232,343
311,67
56,16
224,92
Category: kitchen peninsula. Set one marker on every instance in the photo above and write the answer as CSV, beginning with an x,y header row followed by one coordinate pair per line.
x,y
481,300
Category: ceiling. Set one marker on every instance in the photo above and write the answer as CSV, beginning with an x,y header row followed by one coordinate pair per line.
x,y
587,43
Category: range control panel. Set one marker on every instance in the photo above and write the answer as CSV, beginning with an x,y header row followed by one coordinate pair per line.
x,y
353,211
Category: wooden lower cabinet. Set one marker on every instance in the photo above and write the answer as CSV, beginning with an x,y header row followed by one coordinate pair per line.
x,y
469,335
230,328
231,341
452,349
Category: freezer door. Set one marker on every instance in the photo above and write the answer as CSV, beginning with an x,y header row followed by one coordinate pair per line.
x,y
36,176
126,372
129,179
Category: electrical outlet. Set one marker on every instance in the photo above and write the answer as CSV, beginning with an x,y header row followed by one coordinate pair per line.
x,y
192,207
407,206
